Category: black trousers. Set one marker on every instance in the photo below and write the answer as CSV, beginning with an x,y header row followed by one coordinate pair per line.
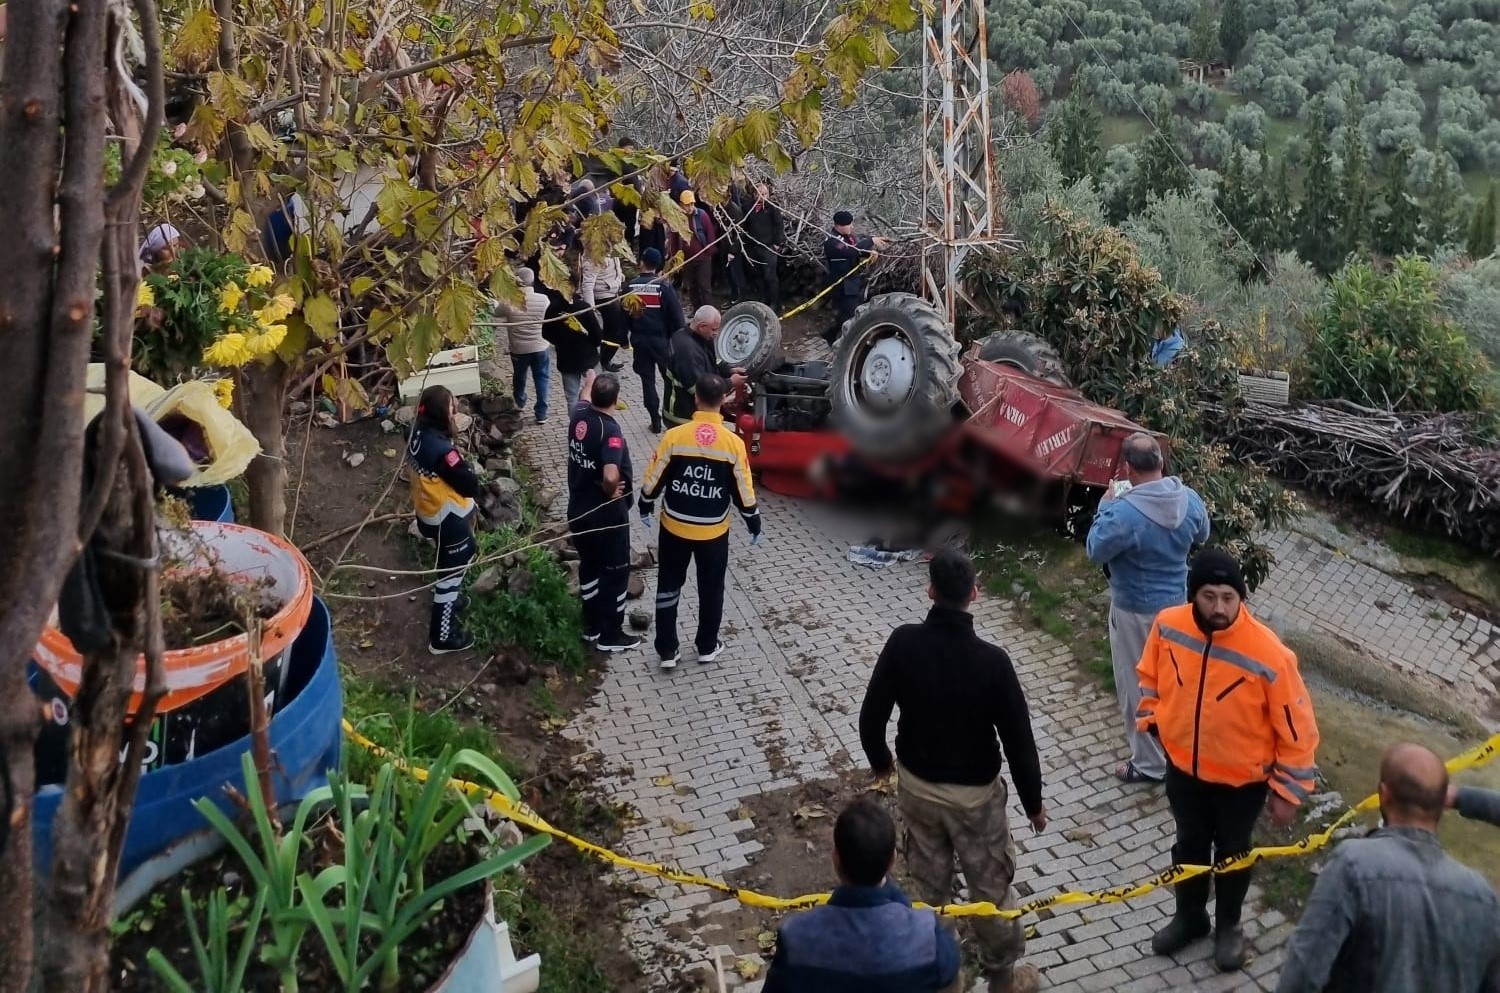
x,y
844,306
651,354
734,271
1214,822
697,280
616,328
763,267
712,558
603,574
456,547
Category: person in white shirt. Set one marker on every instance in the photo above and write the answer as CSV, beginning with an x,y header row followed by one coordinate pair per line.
x,y
601,290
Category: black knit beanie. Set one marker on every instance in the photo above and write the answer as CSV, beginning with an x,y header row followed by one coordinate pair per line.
x,y
1215,567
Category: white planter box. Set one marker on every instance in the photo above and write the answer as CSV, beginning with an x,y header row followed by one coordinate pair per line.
x,y
456,368
1273,388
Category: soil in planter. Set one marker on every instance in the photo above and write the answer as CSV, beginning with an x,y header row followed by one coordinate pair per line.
x,y
158,922
203,605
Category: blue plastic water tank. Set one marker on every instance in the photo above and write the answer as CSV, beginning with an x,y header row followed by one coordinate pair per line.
x,y
306,736
210,503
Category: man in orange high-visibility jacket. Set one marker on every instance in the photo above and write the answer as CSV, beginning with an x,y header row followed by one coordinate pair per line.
x,y
1225,698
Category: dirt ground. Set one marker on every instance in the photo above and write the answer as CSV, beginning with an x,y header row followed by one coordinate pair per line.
x,y
380,628
796,827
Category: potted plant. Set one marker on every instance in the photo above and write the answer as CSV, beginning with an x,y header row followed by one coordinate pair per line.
x,y
219,581
379,886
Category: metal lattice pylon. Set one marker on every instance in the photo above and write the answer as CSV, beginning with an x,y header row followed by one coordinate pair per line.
x,y
960,185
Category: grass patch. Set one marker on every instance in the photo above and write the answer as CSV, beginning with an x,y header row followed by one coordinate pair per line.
x,y
569,959
545,618
398,721
1054,585
1122,129
1285,884
543,700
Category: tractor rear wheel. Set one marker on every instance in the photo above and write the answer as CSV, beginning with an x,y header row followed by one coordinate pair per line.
x,y
1026,352
895,378
749,338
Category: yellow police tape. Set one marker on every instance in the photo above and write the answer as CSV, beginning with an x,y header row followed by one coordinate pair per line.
x,y
825,290
801,306
524,816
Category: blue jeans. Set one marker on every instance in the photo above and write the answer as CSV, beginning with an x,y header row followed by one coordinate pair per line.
x,y
540,366
572,383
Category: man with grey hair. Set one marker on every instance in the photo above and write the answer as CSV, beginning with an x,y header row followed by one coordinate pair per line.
x,y
692,356
1145,528
528,349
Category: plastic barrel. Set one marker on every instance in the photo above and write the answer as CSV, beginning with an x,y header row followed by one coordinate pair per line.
x,y
306,736
210,503
193,672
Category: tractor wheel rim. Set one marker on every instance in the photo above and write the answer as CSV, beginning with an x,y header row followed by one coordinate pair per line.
x,y
887,370
738,339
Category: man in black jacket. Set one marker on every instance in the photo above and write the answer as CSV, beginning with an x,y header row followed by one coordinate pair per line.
x,y
957,693
763,236
842,252
692,356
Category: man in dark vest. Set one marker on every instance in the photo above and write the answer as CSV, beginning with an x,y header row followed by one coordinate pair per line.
x,y
843,252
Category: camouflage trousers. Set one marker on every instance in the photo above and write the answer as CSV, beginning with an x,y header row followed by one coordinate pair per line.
x,y
942,821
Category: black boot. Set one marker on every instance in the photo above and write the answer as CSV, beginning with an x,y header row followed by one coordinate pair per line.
x,y
655,422
1190,922
1229,948
1180,932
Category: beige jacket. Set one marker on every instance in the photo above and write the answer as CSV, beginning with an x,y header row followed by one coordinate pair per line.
x,y
524,323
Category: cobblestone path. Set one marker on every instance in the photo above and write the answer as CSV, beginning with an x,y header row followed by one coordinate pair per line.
x,y
804,627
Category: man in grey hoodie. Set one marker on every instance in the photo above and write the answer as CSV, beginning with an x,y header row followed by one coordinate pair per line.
x,y
1142,538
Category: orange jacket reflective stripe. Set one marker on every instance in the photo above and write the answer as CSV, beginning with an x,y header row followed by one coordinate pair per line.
x,y
1229,707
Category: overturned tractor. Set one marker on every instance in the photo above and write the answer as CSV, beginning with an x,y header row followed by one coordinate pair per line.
x,y
901,402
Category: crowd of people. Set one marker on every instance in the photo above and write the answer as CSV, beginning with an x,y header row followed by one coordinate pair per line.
x,y
1213,705
700,467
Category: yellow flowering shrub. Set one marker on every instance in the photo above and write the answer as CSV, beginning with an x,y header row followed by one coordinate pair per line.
x,y
208,308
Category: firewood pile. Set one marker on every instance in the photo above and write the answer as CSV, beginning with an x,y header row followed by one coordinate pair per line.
x,y
1432,469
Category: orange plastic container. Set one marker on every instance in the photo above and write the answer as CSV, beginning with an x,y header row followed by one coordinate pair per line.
x,y
193,672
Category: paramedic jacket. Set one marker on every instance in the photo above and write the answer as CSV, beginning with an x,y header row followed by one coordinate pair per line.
x,y
594,441
442,483
698,471
660,311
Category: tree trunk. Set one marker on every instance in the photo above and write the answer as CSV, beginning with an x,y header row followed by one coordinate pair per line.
x,y
46,310
102,774
262,396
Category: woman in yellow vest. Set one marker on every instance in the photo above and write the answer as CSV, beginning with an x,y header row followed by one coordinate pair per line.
x,y
443,490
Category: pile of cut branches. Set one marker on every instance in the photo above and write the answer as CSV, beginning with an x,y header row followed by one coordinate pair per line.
x,y
1435,470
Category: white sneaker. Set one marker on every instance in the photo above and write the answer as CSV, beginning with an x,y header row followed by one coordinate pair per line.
x,y
712,656
671,663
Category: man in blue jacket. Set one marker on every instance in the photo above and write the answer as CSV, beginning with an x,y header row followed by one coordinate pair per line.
x,y
1142,538
867,938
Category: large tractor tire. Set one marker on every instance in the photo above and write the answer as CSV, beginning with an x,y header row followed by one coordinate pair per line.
x,y
895,378
1026,352
749,338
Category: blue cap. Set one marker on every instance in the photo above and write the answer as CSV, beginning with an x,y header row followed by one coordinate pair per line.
x,y
652,258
